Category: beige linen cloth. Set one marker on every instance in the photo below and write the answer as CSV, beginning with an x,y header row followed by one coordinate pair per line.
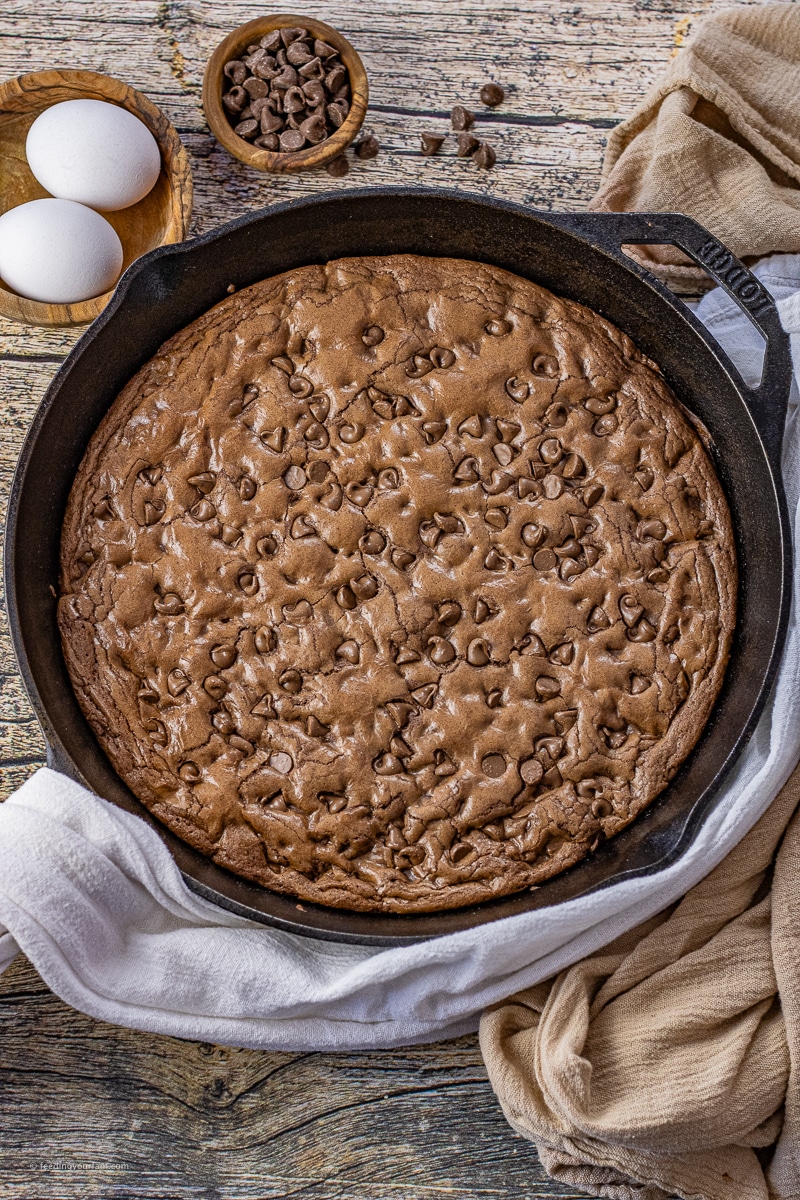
x,y
669,1063
664,1064
718,138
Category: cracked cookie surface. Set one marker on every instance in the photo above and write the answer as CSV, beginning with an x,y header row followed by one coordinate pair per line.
x,y
397,584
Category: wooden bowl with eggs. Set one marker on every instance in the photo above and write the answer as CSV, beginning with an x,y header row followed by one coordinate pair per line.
x,y
159,219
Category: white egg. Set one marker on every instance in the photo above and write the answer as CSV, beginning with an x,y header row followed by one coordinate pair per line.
x,y
95,153
58,251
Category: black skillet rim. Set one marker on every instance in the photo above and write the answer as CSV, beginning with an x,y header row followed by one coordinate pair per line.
x,y
315,921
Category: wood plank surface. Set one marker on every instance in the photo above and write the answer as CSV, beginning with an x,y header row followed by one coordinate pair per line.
x,y
106,1112
88,1110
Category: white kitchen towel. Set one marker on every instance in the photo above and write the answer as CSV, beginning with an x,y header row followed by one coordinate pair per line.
x,y
93,898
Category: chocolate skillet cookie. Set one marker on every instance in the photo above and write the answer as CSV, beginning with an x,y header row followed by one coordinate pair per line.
x,y
397,584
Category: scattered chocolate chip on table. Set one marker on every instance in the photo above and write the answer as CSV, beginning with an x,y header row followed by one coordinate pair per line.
x,y
484,156
338,167
492,94
467,144
431,143
367,147
461,118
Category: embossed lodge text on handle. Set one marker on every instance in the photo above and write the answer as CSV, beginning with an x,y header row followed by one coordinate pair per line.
x,y
728,270
611,231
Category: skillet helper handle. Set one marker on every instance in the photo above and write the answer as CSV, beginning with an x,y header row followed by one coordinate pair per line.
x,y
768,401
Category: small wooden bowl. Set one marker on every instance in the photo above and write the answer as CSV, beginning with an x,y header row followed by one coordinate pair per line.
x,y
270,160
160,218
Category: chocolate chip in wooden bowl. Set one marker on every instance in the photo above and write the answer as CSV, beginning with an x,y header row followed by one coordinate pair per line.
x,y
323,51
492,94
235,71
268,138
291,140
292,34
236,99
313,87
431,143
247,129
313,129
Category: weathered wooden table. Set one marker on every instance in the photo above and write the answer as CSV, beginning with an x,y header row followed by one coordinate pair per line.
x,y
87,1110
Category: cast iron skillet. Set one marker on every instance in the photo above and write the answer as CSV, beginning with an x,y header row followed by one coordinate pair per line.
x,y
575,255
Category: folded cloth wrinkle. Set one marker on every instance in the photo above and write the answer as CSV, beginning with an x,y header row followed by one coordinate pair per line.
x,y
718,138
92,896
669,1057
784,1169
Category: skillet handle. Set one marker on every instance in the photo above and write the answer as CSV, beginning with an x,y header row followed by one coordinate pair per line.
x,y
609,231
